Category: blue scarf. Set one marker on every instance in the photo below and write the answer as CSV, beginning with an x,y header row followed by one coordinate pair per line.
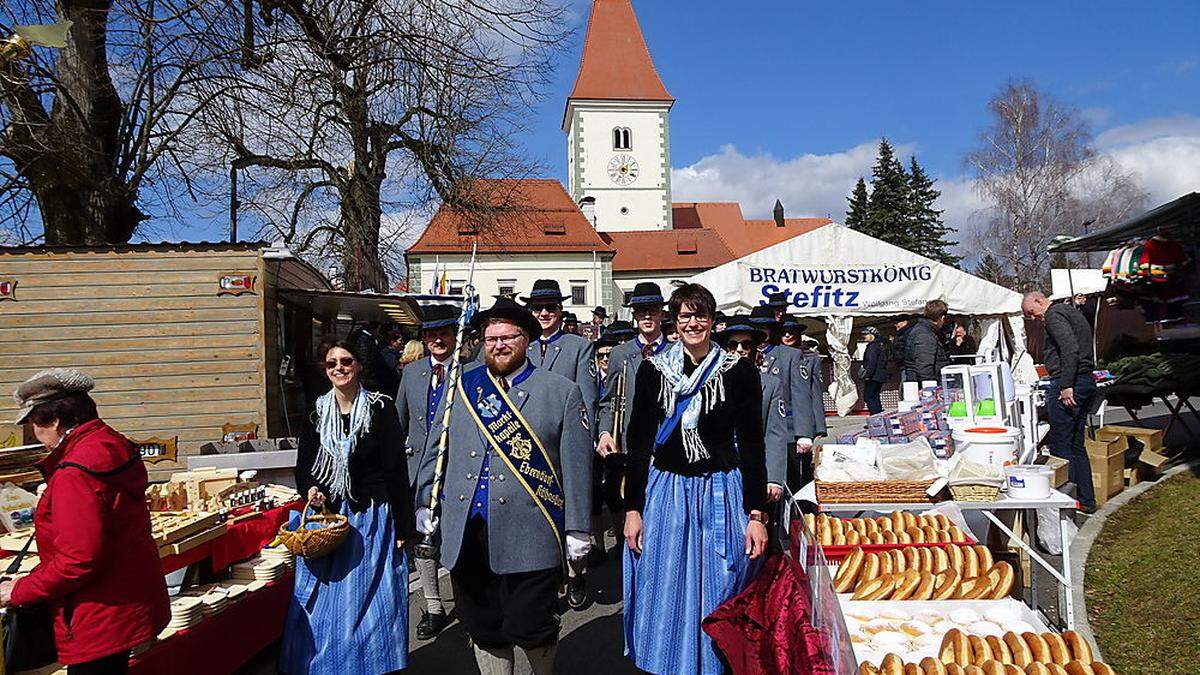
x,y
679,394
332,466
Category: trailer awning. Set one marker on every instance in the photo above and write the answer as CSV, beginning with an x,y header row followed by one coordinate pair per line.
x,y
1180,219
358,307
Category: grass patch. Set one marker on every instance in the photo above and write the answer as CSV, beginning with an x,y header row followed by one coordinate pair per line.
x,y
1141,581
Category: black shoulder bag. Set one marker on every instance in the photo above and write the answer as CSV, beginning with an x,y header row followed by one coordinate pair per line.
x,y
28,631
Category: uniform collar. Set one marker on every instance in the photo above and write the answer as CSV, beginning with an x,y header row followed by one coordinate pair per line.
x,y
445,364
557,334
521,375
657,344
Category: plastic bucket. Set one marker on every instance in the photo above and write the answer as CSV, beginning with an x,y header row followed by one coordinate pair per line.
x,y
1028,481
987,445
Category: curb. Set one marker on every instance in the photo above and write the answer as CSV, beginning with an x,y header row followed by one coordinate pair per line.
x,y
1081,545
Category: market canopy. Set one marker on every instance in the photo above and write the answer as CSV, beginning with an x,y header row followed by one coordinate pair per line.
x,y
835,270
1180,219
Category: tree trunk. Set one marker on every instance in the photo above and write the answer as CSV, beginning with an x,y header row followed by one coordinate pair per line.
x,y
360,214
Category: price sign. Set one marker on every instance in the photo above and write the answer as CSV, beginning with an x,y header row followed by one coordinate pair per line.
x,y
155,449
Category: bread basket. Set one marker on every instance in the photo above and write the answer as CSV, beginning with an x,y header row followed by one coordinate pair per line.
x,y
316,542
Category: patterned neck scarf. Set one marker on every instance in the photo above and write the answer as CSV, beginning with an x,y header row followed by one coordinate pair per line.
x,y
705,386
332,466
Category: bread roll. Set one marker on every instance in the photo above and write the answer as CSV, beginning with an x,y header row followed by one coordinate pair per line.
x,y
954,553
954,669
973,670
943,523
848,571
907,584
889,537
865,590
824,535
925,587
916,534
910,521
980,652
870,527
912,669
898,521
1036,668
1080,649
836,527
875,537
885,563
1037,646
945,585
946,651
993,667
1003,586
903,537
885,591
1101,668
1056,669
1078,668
944,536
1000,650
1021,655
892,665
853,538
839,539
931,533
1011,669
984,556
970,562
869,569
810,522
899,564
1057,648
932,666
912,559
940,560
967,586
865,668
956,534
884,523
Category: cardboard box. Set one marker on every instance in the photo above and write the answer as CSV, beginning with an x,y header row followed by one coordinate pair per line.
x,y
1153,462
1151,439
1100,450
1134,476
1101,495
1062,470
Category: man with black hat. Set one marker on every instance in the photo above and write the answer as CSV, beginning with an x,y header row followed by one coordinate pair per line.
x,y
787,364
570,356
743,338
790,331
517,492
592,329
779,303
422,388
570,323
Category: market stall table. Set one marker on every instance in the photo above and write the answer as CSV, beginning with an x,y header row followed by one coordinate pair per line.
x,y
1057,500
242,539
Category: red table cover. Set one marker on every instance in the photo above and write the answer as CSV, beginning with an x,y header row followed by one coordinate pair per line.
x,y
241,540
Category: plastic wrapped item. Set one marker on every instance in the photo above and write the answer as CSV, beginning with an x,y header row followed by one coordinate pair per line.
x,y
16,507
1050,535
911,461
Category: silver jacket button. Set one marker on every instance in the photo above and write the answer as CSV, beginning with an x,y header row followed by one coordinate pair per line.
x,y
462,498
474,454
470,476
502,500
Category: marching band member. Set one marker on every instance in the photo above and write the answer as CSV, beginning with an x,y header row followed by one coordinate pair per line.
x,y
742,338
422,388
570,356
695,492
517,490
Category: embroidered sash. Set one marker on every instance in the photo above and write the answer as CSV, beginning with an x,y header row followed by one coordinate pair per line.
x,y
512,438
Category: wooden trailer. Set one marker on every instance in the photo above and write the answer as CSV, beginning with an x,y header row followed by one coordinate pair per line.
x,y
188,343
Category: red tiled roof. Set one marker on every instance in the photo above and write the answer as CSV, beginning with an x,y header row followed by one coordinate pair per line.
x,y
536,215
616,63
705,234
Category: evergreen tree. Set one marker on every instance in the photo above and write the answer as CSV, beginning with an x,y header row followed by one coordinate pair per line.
x,y
926,231
887,216
989,268
856,217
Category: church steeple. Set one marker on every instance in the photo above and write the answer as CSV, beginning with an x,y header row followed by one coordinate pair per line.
x,y
616,63
618,136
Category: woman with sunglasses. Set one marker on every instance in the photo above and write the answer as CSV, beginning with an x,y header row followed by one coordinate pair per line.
x,y
695,492
349,610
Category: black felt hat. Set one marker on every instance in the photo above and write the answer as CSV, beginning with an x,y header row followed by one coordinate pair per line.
x,y
621,330
510,311
763,316
740,323
439,316
600,312
545,291
791,323
646,293
777,300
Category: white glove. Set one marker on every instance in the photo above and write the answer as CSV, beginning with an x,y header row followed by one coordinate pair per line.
x,y
803,444
578,545
424,520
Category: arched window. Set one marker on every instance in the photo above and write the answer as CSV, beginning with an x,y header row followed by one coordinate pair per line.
x,y
622,138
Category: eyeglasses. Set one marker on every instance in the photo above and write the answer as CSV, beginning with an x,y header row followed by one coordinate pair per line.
x,y
603,355
503,339
688,317
538,309
345,362
742,344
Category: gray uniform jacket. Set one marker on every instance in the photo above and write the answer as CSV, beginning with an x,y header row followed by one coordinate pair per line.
x,y
775,426
571,357
625,358
810,378
411,403
520,537
785,363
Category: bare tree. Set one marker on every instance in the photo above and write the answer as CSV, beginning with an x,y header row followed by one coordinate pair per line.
x,y
1036,166
95,130
361,108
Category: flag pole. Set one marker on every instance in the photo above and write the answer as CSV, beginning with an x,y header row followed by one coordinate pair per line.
x,y
426,546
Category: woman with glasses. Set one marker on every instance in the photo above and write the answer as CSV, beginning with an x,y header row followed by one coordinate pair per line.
x,y
695,491
349,610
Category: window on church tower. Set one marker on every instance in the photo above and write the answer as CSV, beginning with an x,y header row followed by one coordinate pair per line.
x,y
622,138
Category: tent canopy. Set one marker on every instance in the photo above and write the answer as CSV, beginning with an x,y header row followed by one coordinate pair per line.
x,y
1179,218
836,271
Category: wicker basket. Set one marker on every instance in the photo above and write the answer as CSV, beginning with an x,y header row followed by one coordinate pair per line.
x,y
975,492
317,542
874,491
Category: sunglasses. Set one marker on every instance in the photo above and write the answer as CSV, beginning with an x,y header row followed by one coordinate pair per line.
x,y
538,309
744,344
345,362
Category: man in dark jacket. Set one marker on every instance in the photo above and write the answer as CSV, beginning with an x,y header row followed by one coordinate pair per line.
x,y
1069,362
924,353
874,370
904,325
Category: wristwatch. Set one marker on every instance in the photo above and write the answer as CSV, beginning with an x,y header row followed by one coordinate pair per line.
x,y
759,516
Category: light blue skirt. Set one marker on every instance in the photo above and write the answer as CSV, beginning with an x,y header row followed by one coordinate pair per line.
x,y
693,559
349,610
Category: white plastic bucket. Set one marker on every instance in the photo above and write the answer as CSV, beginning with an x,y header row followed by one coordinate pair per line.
x,y
1028,481
995,446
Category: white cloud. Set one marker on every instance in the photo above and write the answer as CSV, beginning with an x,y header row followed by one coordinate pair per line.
x,y
1163,152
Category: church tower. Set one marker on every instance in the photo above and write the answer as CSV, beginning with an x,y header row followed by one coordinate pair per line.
x,y
618,137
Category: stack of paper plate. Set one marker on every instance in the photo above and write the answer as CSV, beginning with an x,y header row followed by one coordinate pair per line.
x,y
214,600
256,585
185,612
279,554
234,590
258,569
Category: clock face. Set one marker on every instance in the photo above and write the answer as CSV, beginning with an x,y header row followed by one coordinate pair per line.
x,y
623,169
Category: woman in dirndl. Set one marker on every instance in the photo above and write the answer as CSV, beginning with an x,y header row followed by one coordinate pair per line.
x,y
695,492
349,610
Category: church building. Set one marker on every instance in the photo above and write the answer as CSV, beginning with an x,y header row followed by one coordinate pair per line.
x,y
615,223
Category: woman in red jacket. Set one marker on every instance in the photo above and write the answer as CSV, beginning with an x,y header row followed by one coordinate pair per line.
x,y
99,567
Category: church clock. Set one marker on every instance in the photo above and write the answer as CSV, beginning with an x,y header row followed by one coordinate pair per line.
x,y
623,169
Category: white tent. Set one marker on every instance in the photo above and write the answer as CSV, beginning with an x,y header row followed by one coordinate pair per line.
x,y
836,273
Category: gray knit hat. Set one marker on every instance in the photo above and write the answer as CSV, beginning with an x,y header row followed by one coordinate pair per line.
x,y
50,385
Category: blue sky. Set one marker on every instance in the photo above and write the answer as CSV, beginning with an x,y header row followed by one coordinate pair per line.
x,y
764,86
